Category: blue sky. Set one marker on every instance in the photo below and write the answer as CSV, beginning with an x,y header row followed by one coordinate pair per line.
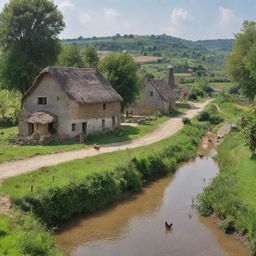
x,y
189,19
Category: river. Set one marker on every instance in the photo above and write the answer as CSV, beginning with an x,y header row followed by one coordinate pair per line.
x,y
135,226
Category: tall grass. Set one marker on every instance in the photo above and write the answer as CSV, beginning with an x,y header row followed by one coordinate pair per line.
x,y
86,193
24,235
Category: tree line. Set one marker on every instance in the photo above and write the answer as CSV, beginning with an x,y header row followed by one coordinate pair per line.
x,y
29,42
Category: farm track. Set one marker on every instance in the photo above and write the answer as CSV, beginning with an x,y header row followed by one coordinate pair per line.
x,y
164,130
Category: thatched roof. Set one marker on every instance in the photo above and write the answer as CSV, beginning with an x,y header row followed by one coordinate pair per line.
x,y
85,85
41,118
163,88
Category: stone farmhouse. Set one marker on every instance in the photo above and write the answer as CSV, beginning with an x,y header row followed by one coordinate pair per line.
x,y
156,96
69,102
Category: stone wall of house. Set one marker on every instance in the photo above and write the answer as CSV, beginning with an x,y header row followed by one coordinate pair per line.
x,y
68,111
147,104
57,101
93,115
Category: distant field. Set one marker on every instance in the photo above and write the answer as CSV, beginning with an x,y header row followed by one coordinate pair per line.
x,y
146,58
222,86
137,58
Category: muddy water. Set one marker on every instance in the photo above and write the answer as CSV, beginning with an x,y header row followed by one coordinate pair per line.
x,y
135,226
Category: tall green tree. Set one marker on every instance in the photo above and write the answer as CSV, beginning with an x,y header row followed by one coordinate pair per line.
x,y
28,36
91,57
121,71
70,57
241,63
10,103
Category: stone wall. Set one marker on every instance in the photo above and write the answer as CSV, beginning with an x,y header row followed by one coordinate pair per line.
x,y
147,104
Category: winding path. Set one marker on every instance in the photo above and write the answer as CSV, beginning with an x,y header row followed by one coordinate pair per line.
x,y
163,131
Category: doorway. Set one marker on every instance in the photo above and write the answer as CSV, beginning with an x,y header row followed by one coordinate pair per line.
x,y
84,128
31,129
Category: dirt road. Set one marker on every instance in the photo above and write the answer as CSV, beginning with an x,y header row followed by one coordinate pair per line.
x,y
164,130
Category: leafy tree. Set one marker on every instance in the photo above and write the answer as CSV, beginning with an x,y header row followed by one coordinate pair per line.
x,y
70,57
120,70
91,56
241,63
248,123
28,36
10,103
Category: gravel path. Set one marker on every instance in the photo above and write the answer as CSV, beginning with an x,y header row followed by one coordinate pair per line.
x,y
163,131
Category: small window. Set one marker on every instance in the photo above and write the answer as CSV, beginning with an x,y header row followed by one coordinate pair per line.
x,y
84,127
113,121
151,93
42,100
58,98
104,106
73,127
103,124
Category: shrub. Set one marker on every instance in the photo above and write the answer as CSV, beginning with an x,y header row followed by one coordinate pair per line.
x,y
216,119
186,120
203,116
58,203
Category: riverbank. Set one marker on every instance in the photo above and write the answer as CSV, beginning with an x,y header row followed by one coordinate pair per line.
x,y
231,196
135,225
55,194
57,203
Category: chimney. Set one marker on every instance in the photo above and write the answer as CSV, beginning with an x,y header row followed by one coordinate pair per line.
x,y
171,80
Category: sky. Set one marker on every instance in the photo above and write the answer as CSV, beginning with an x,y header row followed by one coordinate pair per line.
x,y
188,19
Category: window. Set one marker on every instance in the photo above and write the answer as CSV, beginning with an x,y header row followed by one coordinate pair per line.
x,y
104,106
42,100
151,93
103,124
84,127
73,127
113,121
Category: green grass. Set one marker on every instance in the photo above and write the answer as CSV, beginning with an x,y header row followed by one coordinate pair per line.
x,y
13,152
25,236
20,185
89,184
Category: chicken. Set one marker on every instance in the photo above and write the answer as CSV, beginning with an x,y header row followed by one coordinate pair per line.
x,y
168,226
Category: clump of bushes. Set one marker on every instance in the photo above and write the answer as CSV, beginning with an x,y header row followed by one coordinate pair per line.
x,y
59,203
186,120
210,114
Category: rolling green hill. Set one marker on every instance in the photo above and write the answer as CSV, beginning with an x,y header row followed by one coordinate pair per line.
x,y
182,53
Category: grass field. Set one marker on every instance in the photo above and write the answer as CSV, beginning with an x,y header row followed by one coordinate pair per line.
x,y
222,86
12,152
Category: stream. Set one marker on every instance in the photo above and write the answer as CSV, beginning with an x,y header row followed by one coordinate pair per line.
x,y
135,226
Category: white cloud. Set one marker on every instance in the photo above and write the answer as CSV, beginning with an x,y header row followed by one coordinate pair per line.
x,y
66,6
179,16
179,23
85,18
226,16
111,13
